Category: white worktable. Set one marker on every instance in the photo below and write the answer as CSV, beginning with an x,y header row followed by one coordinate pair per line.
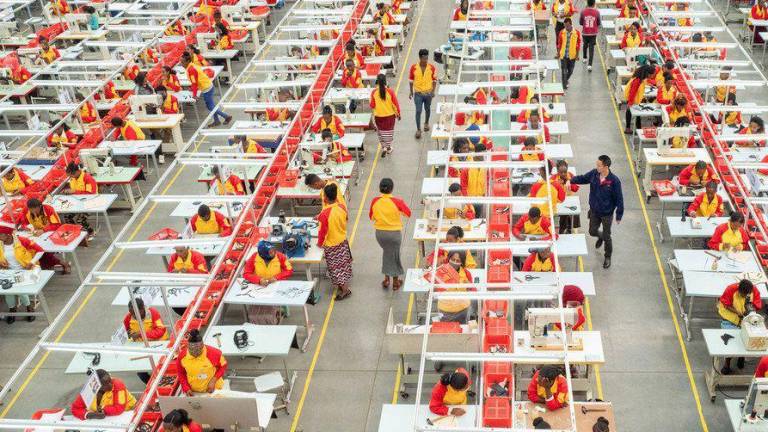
x,y
415,282
400,418
112,362
178,297
280,293
551,151
264,340
701,260
187,209
680,229
98,203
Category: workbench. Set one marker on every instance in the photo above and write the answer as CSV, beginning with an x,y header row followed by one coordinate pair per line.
x,y
142,148
171,122
97,204
29,289
123,177
44,241
719,351
653,159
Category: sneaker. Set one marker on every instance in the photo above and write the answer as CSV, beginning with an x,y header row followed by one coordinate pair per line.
x,y
607,263
589,68
418,134
216,123
228,120
599,243
389,150
383,153
725,370
426,127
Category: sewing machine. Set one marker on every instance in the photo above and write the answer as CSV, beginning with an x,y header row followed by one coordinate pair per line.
x,y
754,333
633,56
94,159
28,56
77,23
539,320
204,40
139,104
664,137
235,13
754,408
6,27
432,210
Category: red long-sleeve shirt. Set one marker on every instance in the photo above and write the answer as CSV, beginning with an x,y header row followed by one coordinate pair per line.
x,y
519,228
762,368
119,392
155,331
256,268
717,238
689,173
437,401
559,399
214,357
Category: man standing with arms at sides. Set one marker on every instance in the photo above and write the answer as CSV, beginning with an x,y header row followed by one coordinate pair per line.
x,y
605,198
422,80
590,27
568,46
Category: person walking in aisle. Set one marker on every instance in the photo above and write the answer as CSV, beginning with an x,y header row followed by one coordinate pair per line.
x,y
332,237
202,82
568,46
590,27
386,213
386,110
422,81
605,198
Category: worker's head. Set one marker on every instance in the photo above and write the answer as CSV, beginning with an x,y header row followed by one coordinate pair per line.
x,y
326,135
682,122
204,212
457,380
700,168
454,234
423,56
635,27
745,287
603,164
711,188
266,250
216,172
161,91
530,143
725,73
117,122
89,9
217,16
193,49
331,192
669,80
175,420
195,343
44,44
349,48
182,251
573,296
314,181
731,99
139,306
547,375
533,119
457,259
539,422
6,234
141,79
680,101
454,189
296,51
517,36
697,37
10,174
480,148
464,6
460,145
35,206
543,173
668,66
72,170
736,220
105,379
534,213
327,113
350,65
167,72
562,167
386,185
756,125
186,58
568,24
544,253
601,425
381,83
590,3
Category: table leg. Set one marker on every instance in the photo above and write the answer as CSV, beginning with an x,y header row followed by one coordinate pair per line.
x,y
77,265
44,305
109,225
157,167
310,329
129,196
688,318
423,248
178,140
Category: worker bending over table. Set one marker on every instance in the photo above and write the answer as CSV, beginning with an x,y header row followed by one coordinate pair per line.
x,y
328,120
201,367
208,221
112,399
697,175
267,265
313,181
533,225
450,390
233,185
80,183
186,260
152,323
178,421
549,387
15,181
737,301
455,234
20,253
456,310
730,236
540,260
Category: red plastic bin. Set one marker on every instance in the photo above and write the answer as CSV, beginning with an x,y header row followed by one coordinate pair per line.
x,y
497,308
498,341
497,412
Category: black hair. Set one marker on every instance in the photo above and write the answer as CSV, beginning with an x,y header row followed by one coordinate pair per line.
x,y
311,178
72,168
534,212
327,109
759,122
203,210
479,148
731,98
561,162
457,143
745,286
326,133
736,217
423,52
215,170
605,159
139,304
682,121
350,45
102,374
567,21
186,57
549,371
454,187
117,121
330,191
177,418
462,255
669,64
34,203
457,380
381,82
194,336
591,3
529,141
386,185
700,164
601,425
169,70
140,79
456,231
538,422
89,9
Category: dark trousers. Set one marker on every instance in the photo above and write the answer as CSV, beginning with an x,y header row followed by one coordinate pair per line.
x,y
423,102
566,66
589,48
595,221
628,118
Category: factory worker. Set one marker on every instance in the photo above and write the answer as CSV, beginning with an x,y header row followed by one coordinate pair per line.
x,y
697,175
532,224
465,211
546,188
267,265
450,390
455,234
151,321
737,301
708,203
456,310
18,253
332,237
201,367
328,120
112,399
534,123
549,387
208,221
730,235
80,182
313,181
541,260
233,185
530,151
178,421
573,297
15,181
185,260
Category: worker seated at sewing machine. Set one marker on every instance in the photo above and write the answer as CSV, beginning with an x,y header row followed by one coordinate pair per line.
x,y
450,390
48,53
551,189
186,260
525,114
62,137
737,301
335,151
573,297
247,145
80,182
732,119
684,138
730,236
201,367
540,260
112,399
465,211
708,203
456,310
267,265
455,234
531,152
697,175
208,221
79,23
315,182
281,114
544,327
233,185
549,387
127,130
678,108
633,37
15,181
533,226
756,127
151,322
328,120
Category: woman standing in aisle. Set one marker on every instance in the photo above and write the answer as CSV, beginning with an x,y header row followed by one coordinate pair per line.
x,y
386,110
332,237
385,212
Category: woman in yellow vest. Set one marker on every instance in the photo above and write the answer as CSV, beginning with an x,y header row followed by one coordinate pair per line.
x,y
456,310
332,237
267,265
734,304
464,211
178,421
201,367
112,399
387,213
386,110
233,185
541,260
208,221
17,254
313,181
546,188
450,390
15,180
730,236
151,323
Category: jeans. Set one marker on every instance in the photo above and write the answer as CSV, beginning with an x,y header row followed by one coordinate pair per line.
x,y
589,48
595,221
13,300
567,65
423,101
211,105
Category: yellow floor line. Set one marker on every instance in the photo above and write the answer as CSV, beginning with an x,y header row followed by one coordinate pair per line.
x,y
657,255
321,338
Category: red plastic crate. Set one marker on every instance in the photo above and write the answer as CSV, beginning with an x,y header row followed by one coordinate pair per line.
x,y
500,219
499,232
497,327
497,412
501,189
497,368
498,274
495,378
497,340
495,308
500,257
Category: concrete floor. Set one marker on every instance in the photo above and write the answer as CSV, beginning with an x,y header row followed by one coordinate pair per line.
x,y
345,369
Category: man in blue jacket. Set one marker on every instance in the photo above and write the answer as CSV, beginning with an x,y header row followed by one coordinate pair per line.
x,y
605,198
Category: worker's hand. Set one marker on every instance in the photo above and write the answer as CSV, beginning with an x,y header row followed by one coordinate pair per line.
x,y
4,264
28,266
212,386
398,117
458,412
135,335
95,415
189,392
692,214
739,248
410,95
264,282
182,270
38,232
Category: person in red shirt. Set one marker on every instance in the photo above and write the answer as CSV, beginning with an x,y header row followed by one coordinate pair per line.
x,y
708,203
329,121
351,76
563,177
730,235
762,368
532,224
267,265
534,123
170,103
201,367
208,221
549,387
697,175
519,53
461,12
152,323
540,260
736,302
178,421
112,399
350,53
20,74
450,390
170,80
573,297
185,260
590,28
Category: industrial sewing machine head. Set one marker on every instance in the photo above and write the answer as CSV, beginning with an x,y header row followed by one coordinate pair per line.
x,y
754,407
77,23
664,137
432,210
28,56
95,158
754,333
139,104
638,55
544,337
